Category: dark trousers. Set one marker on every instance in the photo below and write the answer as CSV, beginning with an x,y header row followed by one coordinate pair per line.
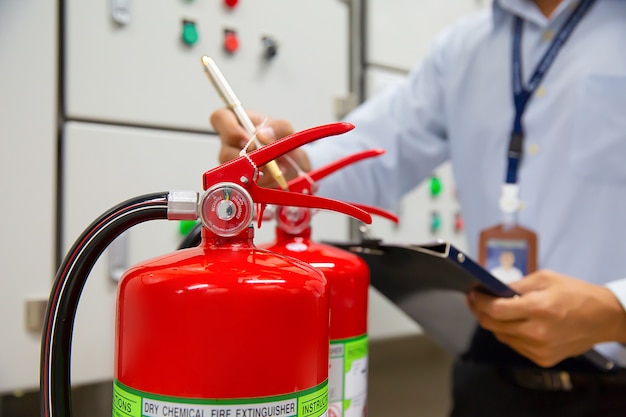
x,y
481,390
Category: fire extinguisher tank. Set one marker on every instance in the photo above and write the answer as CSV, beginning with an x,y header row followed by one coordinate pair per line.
x,y
347,274
222,320
348,278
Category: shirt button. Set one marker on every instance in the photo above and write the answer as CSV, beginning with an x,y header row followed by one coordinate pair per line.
x,y
533,149
540,92
548,35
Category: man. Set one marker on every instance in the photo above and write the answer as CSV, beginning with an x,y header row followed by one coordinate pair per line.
x,y
460,104
506,271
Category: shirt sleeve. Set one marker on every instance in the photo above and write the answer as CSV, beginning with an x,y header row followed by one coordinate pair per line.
x,y
618,287
616,351
408,121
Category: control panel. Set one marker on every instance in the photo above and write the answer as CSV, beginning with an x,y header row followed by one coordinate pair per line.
x,y
137,62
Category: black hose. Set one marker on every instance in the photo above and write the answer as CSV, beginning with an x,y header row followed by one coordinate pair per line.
x,y
71,276
193,238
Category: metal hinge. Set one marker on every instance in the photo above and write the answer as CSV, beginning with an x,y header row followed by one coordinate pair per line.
x,y
345,104
35,314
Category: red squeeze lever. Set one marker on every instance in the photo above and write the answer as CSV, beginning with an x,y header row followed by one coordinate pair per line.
x,y
244,172
303,183
378,212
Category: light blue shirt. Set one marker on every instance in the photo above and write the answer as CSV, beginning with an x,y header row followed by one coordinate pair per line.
x,y
457,105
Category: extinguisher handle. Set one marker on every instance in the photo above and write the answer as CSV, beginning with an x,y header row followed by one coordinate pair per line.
x,y
247,165
286,198
378,212
244,172
305,183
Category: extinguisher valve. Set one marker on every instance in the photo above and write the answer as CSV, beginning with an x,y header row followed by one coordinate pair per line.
x,y
182,205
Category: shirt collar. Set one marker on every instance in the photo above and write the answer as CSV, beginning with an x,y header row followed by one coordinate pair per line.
x,y
527,10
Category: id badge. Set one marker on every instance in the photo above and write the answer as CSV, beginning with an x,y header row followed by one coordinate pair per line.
x,y
508,253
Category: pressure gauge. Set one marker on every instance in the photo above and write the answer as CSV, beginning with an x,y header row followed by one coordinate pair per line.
x,y
226,209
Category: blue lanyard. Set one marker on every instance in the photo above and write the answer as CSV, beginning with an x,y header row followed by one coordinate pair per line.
x,y
521,94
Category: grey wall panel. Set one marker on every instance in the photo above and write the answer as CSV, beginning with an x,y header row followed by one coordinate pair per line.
x,y
396,39
400,32
105,165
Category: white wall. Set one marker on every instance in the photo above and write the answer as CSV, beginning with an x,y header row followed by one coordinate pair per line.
x,y
27,178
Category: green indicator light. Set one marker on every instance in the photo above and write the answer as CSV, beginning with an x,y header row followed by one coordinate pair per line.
x,y
435,222
185,226
190,33
435,186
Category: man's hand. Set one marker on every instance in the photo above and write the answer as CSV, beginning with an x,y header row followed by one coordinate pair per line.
x,y
555,317
234,137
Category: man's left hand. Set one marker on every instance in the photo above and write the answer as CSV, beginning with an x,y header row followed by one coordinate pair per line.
x,y
555,317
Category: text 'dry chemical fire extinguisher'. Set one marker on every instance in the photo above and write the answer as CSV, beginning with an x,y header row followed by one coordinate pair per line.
x,y
222,329
348,277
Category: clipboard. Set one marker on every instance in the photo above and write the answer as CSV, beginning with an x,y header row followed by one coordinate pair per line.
x,y
400,272
440,265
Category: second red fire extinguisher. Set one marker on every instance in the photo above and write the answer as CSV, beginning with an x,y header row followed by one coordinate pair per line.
x,y
348,277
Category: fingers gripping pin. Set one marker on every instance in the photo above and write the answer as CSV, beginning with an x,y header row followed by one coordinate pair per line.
x,y
230,99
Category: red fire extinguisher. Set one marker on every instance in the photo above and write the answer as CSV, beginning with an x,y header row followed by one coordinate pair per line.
x,y
224,329
348,277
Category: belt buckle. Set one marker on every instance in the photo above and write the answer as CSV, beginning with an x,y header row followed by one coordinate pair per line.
x,y
558,381
544,380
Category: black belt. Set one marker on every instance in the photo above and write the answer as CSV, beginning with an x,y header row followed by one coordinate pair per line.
x,y
555,380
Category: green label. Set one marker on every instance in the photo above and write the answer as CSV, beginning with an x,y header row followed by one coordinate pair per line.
x,y
125,403
129,402
347,379
355,350
314,404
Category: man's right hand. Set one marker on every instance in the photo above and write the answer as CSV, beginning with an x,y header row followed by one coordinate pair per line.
x,y
234,137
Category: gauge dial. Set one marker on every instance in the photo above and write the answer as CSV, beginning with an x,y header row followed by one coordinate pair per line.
x,y
226,209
